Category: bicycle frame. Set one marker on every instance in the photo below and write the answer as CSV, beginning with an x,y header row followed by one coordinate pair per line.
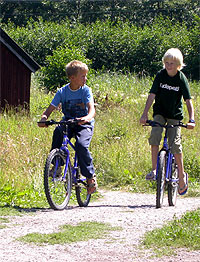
x,y
169,160
65,149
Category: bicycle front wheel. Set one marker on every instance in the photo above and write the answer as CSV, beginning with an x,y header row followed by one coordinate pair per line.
x,y
57,187
161,179
82,196
173,185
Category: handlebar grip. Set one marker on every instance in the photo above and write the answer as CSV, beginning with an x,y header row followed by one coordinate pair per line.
x,y
47,123
149,122
182,125
153,123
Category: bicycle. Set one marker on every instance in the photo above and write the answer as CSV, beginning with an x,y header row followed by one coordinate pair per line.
x,y
167,170
60,175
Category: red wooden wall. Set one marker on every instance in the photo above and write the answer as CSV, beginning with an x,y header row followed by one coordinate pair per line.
x,y
15,80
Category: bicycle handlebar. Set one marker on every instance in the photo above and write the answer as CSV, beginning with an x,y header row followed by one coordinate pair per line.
x,y
154,123
62,122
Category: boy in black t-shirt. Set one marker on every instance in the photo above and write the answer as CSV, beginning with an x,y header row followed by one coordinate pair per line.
x,y
168,88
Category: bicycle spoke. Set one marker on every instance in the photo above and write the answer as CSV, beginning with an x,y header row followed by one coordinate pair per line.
x,y
173,185
82,196
161,179
57,189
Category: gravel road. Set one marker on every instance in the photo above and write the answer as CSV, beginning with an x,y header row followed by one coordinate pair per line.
x,y
135,213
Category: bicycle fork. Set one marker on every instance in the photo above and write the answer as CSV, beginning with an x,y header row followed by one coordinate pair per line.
x,y
170,160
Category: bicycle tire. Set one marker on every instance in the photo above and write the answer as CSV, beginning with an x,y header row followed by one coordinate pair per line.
x,y
82,196
161,179
57,190
173,186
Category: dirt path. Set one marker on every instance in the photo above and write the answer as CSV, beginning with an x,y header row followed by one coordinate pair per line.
x,y
135,213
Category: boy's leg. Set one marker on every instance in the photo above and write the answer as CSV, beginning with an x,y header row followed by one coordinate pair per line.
x,y
154,156
176,149
154,141
183,177
57,138
179,162
83,136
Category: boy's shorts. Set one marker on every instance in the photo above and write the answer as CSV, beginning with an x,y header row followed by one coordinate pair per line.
x,y
174,134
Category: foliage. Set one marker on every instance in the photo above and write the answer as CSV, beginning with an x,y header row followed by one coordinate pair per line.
x,y
121,46
137,12
126,47
53,74
70,234
40,38
184,232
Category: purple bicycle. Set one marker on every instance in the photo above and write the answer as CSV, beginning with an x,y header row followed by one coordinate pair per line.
x,y
166,171
60,175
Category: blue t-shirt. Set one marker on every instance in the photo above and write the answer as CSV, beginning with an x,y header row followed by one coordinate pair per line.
x,y
74,102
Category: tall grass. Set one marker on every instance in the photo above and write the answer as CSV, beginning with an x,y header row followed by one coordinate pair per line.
x,y
119,146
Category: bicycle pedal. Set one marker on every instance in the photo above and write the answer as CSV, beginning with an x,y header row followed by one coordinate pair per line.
x,y
174,184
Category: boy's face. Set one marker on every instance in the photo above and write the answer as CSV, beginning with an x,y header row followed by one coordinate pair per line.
x,y
79,79
171,66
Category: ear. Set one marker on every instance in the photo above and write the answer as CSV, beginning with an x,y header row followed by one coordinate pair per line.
x,y
179,67
71,78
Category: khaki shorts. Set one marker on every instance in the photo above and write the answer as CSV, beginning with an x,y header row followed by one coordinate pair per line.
x,y
174,134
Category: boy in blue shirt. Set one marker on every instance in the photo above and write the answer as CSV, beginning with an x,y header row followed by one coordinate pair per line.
x,y
169,87
77,102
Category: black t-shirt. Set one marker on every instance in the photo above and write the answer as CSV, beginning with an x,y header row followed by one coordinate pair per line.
x,y
169,92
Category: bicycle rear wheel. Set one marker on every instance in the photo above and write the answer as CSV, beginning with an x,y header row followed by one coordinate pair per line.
x,y
57,189
161,179
173,185
82,196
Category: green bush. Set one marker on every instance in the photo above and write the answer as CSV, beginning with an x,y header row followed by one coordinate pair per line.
x,y
40,38
54,72
115,47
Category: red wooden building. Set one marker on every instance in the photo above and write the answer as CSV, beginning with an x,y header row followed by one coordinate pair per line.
x,y
16,67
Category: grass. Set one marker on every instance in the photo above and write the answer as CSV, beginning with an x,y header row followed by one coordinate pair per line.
x,y
119,146
3,220
179,233
69,234
8,211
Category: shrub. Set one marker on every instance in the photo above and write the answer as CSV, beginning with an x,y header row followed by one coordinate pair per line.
x,y
115,47
53,74
39,39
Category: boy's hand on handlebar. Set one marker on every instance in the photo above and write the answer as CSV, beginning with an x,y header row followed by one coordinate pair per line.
x,y
82,120
42,124
190,125
143,120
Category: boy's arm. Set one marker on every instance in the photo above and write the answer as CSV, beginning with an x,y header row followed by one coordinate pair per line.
x,y
89,116
45,115
190,109
149,102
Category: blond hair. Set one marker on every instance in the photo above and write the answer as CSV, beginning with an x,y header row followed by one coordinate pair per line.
x,y
175,54
73,67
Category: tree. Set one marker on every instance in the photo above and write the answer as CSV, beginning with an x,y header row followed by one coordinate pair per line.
x,y
138,12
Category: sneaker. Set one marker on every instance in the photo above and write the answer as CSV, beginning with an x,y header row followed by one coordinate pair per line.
x,y
58,171
92,185
151,176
